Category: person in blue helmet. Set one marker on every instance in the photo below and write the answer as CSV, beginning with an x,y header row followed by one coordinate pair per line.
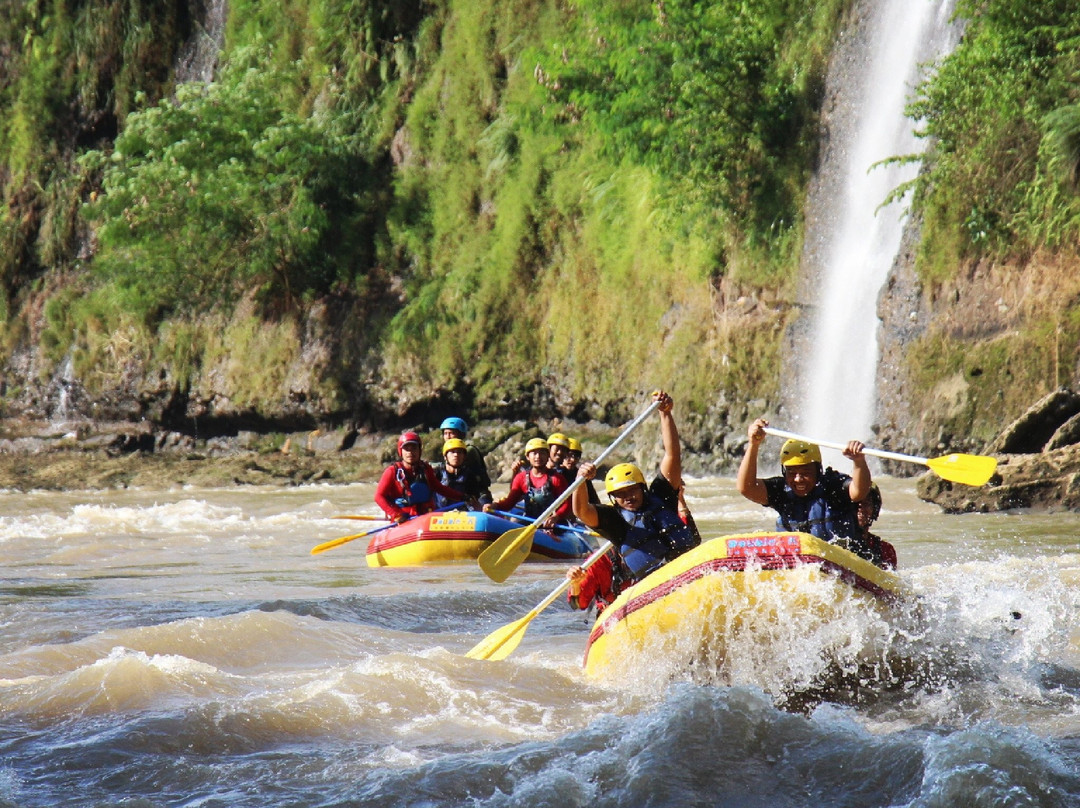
x,y
806,496
454,427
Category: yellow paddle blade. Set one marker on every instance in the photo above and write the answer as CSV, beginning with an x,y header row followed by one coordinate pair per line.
x,y
326,545
964,468
504,554
500,643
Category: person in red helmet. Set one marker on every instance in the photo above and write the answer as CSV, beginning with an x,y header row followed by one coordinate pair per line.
x,y
408,486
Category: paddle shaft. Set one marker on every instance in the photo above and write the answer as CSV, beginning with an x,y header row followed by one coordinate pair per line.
x,y
597,554
780,433
565,495
507,638
528,520
327,545
504,554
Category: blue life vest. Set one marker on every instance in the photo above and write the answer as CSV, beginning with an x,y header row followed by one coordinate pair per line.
x,y
654,536
415,491
820,513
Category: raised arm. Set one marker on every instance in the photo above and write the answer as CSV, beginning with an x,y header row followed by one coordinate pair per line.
x,y
859,486
671,463
579,500
747,481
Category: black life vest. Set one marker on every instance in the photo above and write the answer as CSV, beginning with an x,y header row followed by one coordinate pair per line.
x,y
538,498
825,512
654,536
465,480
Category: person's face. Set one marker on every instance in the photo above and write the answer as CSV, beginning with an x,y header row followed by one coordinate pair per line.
x,y
455,457
571,460
865,514
802,479
538,458
410,454
631,498
557,454
447,434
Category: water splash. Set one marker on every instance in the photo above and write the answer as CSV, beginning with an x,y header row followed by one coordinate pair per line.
x,y
852,239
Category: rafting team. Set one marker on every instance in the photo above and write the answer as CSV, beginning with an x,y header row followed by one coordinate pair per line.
x,y
648,523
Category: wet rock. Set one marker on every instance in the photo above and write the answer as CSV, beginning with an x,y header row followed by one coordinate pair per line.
x,y
1044,480
1033,430
1067,434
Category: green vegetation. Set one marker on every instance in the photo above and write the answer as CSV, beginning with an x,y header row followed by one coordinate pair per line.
x,y
1004,162
224,189
491,196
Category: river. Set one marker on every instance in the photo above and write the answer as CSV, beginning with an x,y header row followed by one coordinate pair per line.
x,y
184,648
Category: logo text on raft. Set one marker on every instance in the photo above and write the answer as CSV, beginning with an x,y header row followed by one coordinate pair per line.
x,y
763,546
452,522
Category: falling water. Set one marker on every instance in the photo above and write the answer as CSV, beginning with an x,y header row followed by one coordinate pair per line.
x,y
852,239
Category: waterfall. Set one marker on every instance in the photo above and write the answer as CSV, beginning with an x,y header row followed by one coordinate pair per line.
x,y
851,239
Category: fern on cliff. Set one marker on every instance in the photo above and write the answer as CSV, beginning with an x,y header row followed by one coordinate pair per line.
x,y
1000,179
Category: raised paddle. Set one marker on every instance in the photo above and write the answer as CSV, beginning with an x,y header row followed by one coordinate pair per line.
x,y
957,468
504,554
500,643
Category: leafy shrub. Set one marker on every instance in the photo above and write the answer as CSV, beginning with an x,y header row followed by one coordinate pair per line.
x,y
225,189
1000,168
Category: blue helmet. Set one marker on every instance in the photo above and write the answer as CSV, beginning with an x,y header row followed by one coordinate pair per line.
x,y
457,424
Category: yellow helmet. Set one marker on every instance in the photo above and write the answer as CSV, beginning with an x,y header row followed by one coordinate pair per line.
x,y
623,475
453,443
799,453
573,445
534,444
559,439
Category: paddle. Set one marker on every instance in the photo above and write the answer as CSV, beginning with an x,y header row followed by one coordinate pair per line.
x,y
957,468
504,554
520,517
326,545
500,643
363,518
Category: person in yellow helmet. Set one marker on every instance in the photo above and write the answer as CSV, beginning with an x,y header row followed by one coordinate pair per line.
x,y
642,520
558,451
537,485
456,473
570,466
807,497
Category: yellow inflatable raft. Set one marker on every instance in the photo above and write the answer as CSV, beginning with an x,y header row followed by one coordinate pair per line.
x,y
693,605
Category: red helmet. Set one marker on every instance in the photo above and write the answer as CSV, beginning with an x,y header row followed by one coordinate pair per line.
x,y
407,437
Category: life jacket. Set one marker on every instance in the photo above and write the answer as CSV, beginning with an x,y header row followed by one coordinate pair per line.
x,y
818,513
654,536
415,494
538,498
466,481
